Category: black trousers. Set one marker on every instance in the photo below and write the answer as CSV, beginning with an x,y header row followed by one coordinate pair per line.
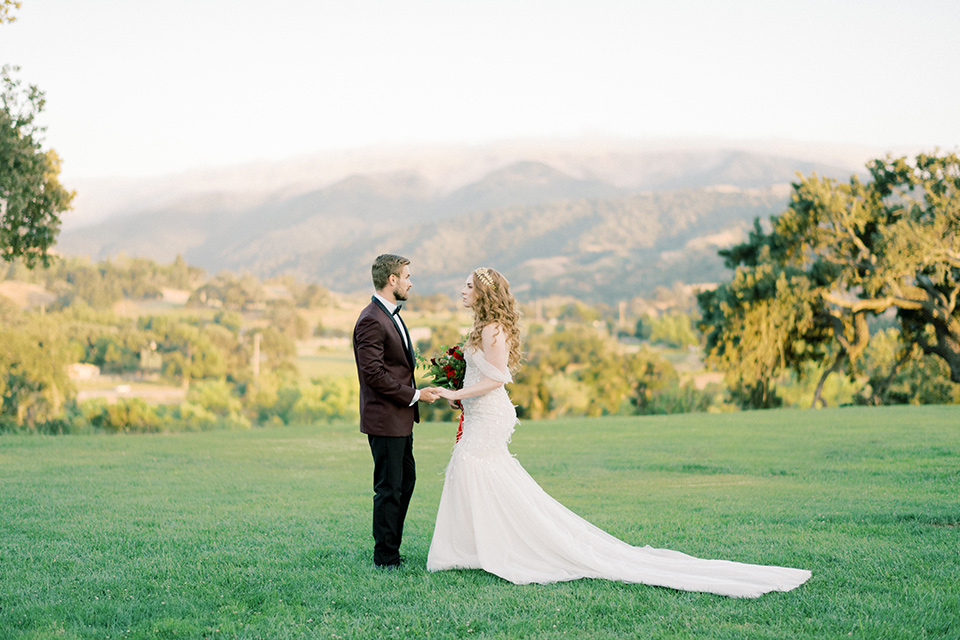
x,y
394,475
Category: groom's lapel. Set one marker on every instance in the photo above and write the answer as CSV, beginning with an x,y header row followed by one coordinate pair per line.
x,y
409,342
409,345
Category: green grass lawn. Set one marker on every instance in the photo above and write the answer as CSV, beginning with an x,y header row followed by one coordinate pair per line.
x,y
266,533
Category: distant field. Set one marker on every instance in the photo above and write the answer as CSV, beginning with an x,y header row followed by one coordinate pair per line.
x,y
326,362
266,533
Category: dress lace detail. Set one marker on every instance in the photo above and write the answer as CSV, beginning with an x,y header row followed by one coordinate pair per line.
x,y
488,420
494,516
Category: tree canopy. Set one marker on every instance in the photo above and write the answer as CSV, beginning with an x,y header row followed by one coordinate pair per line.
x,y
31,196
807,284
6,10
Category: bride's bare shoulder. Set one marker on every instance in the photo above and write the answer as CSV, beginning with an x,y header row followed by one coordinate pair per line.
x,y
493,336
493,327
493,331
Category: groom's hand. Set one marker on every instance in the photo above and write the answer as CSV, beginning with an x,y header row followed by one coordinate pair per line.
x,y
429,394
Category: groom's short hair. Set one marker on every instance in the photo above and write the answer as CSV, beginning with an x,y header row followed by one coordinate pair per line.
x,y
385,266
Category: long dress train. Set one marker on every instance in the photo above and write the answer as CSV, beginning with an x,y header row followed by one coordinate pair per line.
x,y
494,516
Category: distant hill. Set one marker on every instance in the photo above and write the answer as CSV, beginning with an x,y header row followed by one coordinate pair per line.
x,y
614,227
523,184
598,249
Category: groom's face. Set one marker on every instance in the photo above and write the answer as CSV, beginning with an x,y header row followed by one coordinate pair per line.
x,y
402,284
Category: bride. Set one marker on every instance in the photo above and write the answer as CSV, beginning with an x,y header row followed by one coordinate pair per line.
x,y
494,516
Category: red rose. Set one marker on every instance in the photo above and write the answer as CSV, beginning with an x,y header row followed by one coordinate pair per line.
x,y
451,373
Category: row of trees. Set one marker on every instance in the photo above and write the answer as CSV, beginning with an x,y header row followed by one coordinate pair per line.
x,y
207,349
102,285
581,369
575,368
843,262
209,355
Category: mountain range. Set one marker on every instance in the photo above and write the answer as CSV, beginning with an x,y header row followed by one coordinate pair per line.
x,y
603,225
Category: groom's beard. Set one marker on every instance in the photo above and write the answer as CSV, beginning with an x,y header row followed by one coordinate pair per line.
x,y
399,296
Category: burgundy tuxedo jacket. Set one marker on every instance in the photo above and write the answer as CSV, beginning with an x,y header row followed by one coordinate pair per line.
x,y
385,369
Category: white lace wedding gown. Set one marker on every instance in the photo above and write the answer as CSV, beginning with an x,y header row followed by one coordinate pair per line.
x,y
494,516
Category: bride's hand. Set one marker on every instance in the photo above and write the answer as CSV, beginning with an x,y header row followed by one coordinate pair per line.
x,y
447,394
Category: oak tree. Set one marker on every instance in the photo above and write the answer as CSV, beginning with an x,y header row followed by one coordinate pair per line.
x,y
31,196
806,285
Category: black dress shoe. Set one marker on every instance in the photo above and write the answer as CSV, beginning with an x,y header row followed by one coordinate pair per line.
x,y
392,566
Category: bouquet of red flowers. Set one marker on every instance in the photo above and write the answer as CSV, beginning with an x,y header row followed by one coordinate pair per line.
x,y
447,369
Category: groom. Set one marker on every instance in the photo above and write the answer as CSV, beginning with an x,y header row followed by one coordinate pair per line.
x,y
388,403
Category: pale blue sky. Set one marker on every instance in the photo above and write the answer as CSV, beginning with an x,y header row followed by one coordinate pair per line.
x,y
154,86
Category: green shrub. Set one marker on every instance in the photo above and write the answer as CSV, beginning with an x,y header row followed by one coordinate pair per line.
x,y
326,399
190,416
216,396
126,415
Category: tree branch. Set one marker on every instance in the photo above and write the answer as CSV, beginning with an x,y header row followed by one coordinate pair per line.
x,y
927,347
872,259
925,283
877,305
837,325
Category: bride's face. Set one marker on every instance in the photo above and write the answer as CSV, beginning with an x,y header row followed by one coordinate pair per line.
x,y
469,293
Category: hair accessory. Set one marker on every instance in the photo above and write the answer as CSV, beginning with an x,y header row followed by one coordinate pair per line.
x,y
484,274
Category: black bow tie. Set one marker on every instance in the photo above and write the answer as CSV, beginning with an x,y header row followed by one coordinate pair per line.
x,y
397,310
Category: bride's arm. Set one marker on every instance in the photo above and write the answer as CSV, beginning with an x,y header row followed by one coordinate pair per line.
x,y
494,342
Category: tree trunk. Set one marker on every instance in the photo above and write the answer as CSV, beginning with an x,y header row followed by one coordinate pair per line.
x,y
950,351
876,398
947,345
954,364
817,397
939,310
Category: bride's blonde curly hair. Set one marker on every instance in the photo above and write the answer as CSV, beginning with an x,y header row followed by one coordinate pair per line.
x,y
495,304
